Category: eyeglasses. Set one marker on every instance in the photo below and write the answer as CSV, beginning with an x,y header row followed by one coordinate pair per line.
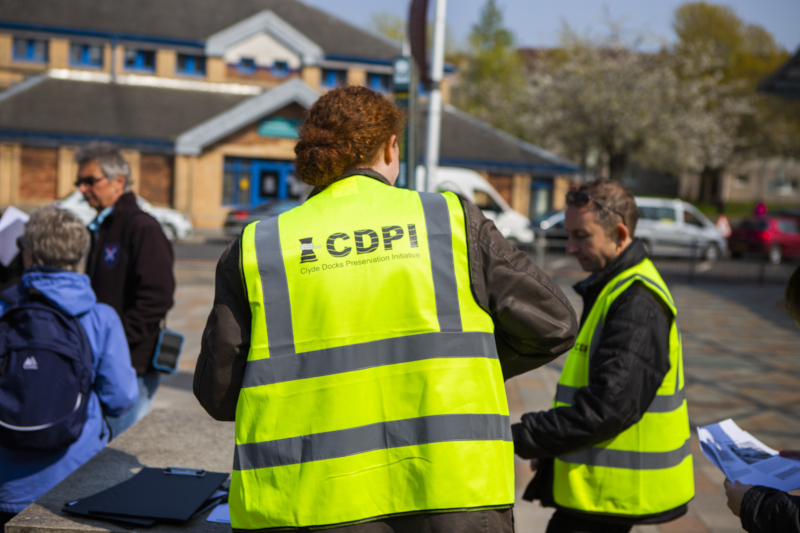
x,y
580,198
89,180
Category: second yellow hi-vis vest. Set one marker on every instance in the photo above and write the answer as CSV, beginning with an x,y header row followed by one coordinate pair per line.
x,y
646,469
372,385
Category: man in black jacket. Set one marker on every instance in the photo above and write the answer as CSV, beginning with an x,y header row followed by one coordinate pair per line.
x,y
625,368
130,264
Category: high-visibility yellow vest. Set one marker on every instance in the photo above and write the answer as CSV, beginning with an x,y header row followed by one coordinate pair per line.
x,y
372,386
646,469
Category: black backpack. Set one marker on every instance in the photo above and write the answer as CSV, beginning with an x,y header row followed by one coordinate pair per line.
x,y
45,374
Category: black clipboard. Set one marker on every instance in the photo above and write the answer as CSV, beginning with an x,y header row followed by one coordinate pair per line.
x,y
154,494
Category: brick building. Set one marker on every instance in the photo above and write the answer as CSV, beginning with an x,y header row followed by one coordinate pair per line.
x,y
205,97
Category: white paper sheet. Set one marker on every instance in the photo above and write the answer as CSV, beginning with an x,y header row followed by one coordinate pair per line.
x,y
220,515
12,225
744,458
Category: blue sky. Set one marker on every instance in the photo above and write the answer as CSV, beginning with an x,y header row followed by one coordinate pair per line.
x,y
537,22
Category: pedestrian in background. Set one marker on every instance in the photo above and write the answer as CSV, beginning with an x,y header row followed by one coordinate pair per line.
x,y
130,264
722,224
360,341
614,450
763,509
53,245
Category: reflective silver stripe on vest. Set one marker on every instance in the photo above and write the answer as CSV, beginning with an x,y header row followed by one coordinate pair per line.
x,y
440,245
621,282
628,460
275,288
381,436
660,404
369,355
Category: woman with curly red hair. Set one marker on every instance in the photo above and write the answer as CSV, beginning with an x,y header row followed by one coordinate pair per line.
x,y
360,343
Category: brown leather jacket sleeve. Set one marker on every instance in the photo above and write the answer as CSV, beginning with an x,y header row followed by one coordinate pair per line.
x,y
226,340
534,321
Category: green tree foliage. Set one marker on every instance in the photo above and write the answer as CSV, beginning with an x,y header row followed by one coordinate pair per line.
x,y
744,54
394,27
492,71
492,46
389,25
745,51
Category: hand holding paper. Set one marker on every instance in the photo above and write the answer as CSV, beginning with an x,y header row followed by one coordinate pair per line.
x,y
743,458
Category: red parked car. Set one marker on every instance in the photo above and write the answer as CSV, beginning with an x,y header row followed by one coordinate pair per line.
x,y
775,237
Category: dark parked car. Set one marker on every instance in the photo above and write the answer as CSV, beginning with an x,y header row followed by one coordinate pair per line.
x,y
239,218
774,237
552,225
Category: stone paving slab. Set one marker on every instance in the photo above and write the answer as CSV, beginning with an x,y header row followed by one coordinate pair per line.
x,y
741,357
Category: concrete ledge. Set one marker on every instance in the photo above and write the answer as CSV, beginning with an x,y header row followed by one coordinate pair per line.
x,y
163,438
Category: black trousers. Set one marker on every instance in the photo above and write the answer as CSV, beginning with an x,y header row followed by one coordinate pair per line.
x,y
500,521
562,522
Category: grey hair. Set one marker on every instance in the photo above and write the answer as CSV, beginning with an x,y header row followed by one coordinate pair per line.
x,y
56,237
108,157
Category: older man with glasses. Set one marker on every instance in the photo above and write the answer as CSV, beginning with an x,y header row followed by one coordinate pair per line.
x,y
130,264
614,449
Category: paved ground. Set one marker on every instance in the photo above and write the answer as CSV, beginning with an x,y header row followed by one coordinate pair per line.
x,y
741,361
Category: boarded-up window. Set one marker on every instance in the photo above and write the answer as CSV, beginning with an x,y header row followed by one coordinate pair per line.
x,y
155,171
503,185
38,173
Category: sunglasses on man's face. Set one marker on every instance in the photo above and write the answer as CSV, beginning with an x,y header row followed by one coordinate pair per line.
x,y
580,198
89,180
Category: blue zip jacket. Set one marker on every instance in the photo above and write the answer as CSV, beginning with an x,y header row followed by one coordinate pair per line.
x,y
25,476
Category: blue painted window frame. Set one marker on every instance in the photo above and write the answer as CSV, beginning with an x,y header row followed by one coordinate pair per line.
x,y
237,169
80,55
379,82
30,50
247,65
332,77
191,65
140,60
280,69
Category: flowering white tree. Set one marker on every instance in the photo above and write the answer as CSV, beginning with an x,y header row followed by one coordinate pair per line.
x,y
605,96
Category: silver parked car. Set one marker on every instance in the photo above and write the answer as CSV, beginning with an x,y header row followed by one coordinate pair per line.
x,y
676,228
667,227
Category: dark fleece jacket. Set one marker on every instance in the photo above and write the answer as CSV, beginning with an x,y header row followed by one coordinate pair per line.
x,y
130,265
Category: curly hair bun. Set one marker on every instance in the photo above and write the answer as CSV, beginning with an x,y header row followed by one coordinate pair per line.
x,y
345,129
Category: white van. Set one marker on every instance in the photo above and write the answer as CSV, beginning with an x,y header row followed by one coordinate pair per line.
x,y
471,186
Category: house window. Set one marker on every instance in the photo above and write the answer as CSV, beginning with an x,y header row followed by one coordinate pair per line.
x,y
86,55
379,82
334,77
784,187
236,181
30,50
742,181
143,60
247,65
191,65
280,69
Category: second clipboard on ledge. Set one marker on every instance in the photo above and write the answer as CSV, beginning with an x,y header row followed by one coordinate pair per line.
x,y
172,495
